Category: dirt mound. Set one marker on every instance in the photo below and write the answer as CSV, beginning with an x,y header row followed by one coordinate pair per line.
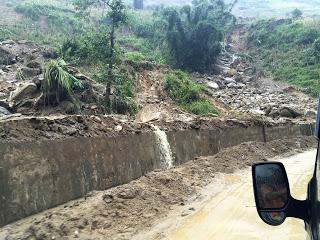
x,y
121,212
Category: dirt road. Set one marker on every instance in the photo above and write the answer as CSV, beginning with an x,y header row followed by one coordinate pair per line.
x,y
231,215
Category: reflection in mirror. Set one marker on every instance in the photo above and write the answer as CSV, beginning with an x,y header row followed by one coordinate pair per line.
x,y
272,187
273,218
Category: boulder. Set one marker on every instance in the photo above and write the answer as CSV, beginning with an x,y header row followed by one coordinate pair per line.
x,y
4,112
38,81
232,72
23,92
311,114
4,104
231,85
213,85
67,107
289,112
257,112
30,72
6,58
229,80
240,85
8,42
50,53
34,64
285,112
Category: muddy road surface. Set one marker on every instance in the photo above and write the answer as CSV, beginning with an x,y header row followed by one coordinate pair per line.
x,y
226,208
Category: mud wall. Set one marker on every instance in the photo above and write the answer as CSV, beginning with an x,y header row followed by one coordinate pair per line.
x,y
35,176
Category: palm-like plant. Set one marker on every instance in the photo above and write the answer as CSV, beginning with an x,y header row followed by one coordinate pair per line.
x,y
58,83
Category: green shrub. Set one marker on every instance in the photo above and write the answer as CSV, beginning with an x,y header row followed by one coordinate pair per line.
x,y
202,107
58,83
181,89
135,56
55,15
188,94
89,48
5,34
124,91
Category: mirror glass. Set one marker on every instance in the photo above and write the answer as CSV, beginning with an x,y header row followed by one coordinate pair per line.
x,y
271,186
273,218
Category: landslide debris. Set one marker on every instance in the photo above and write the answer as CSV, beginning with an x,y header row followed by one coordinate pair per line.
x,y
239,88
121,212
22,65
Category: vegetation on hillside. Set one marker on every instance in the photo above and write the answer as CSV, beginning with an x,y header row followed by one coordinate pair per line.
x,y
194,33
289,50
58,83
188,94
99,36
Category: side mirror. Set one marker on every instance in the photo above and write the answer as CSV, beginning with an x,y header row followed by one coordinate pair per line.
x,y
272,194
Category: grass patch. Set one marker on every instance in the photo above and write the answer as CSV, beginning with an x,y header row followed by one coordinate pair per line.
x,y
135,56
188,94
289,51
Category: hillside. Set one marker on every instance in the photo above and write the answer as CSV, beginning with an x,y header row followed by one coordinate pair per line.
x,y
275,8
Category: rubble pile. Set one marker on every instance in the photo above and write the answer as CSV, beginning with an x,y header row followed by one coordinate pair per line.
x,y
238,87
21,79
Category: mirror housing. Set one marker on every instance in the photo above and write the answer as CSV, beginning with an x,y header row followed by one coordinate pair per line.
x,y
274,202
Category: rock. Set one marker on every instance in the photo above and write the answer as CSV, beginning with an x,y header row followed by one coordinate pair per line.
x,y
4,104
30,72
34,64
310,114
8,42
67,107
213,85
23,92
50,53
118,128
232,72
236,62
289,112
128,194
6,68
38,81
231,85
4,112
285,112
6,57
108,198
229,80
240,85
185,213
257,111
76,234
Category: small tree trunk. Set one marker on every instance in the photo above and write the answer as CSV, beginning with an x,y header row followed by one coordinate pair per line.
x,y
110,67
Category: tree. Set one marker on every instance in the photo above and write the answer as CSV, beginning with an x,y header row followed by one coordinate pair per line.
x,y
297,13
194,33
116,16
316,49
